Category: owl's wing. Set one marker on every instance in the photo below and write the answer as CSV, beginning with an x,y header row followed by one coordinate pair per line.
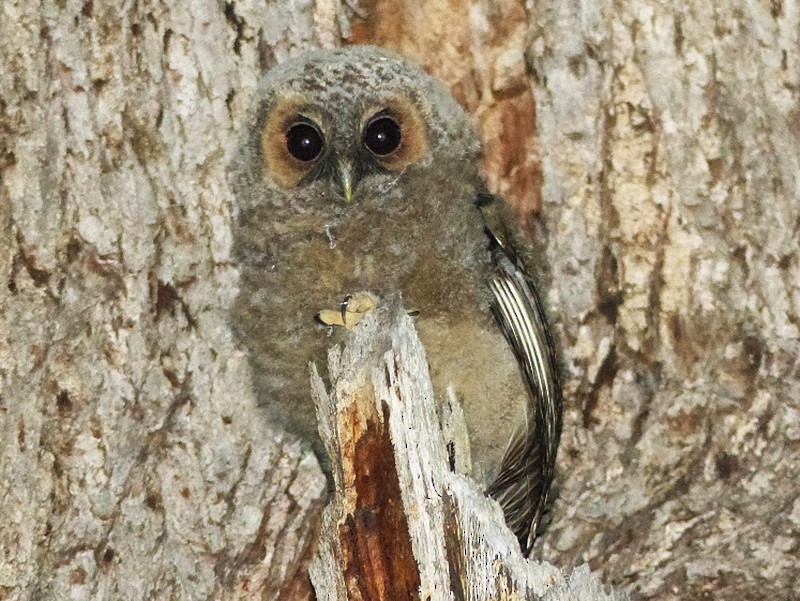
x,y
526,472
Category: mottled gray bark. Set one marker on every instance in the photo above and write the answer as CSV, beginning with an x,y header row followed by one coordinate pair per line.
x,y
670,141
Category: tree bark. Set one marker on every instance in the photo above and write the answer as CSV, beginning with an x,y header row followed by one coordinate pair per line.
x,y
653,152
670,143
135,463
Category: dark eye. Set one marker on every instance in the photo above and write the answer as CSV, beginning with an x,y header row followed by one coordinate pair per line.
x,y
304,141
382,136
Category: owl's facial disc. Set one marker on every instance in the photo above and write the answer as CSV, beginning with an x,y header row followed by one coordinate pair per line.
x,y
293,142
304,144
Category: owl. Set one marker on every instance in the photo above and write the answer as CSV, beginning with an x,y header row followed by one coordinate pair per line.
x,y
357,172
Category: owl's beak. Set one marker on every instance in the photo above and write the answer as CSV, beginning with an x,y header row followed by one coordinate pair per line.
x,y
346,181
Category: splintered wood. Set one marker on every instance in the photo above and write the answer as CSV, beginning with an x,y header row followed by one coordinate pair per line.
x,y
400,524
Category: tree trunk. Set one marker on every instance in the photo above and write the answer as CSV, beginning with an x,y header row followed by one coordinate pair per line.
x,y
654,153
671,151
135,463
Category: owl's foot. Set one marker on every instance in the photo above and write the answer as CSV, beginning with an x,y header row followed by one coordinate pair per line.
x,y
351,310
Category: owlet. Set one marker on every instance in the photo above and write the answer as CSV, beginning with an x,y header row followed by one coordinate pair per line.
x,y
358,173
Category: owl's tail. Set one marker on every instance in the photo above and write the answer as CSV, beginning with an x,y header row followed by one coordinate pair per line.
x,y
526,472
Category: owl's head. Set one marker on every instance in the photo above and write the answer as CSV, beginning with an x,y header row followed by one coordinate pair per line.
x,y
335,127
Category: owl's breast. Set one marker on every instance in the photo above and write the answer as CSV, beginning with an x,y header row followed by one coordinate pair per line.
x,y
438,262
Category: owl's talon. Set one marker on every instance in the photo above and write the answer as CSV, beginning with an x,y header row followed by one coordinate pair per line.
x,y
329,318
352,308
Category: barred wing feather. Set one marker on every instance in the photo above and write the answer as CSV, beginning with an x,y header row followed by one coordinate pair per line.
x,y
526,472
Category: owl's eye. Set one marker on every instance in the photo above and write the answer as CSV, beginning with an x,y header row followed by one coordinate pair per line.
x,y
304,141
382,135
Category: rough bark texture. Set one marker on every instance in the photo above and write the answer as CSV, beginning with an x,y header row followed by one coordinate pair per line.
x,y
670,156
401,524
135,463
658,147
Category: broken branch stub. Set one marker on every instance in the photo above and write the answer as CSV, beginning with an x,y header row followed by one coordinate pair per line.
x,y
400,524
